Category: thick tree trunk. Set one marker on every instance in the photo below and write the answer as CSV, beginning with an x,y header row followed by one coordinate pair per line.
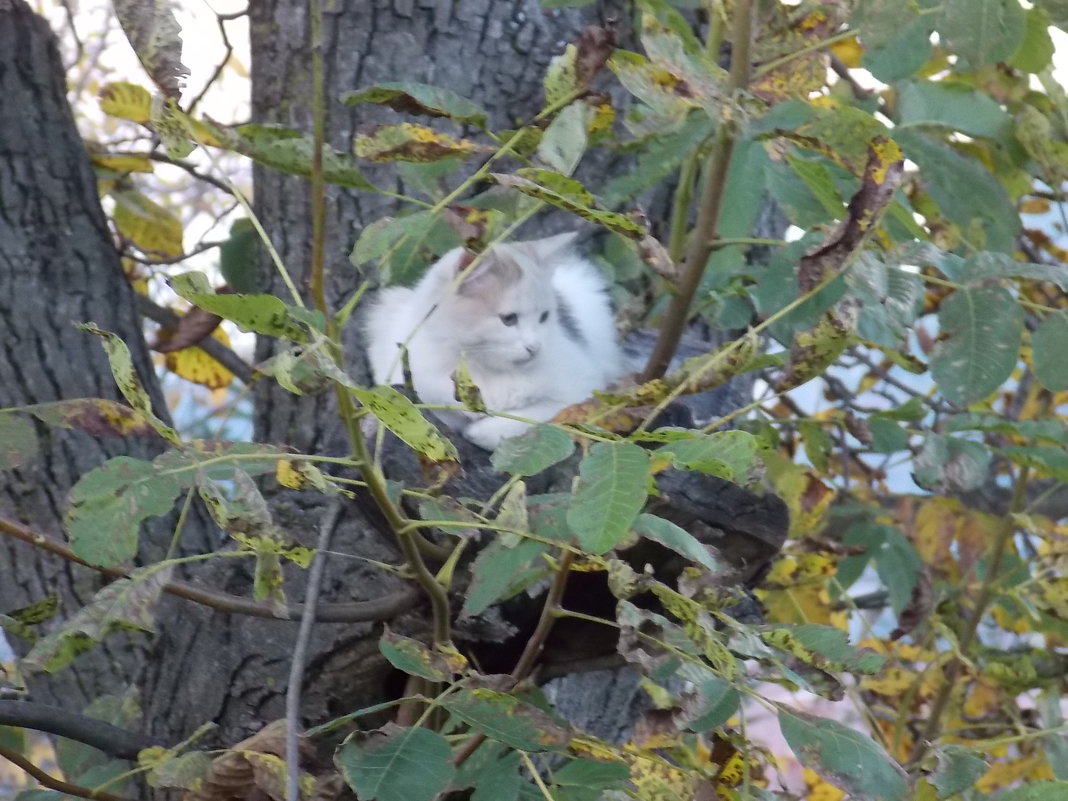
x,y
58,267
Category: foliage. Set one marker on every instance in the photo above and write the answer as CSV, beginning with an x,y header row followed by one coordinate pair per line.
x,y
925,303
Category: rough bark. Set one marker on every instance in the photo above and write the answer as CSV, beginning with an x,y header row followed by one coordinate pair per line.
x,y
58,267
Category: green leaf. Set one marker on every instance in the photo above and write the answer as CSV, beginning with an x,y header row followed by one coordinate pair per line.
x,y
983,266
951,464
18,441
728,454
108,504
410,764
412,657
659,158
1047,460
583,779
505,718
892,300
561,79
1050,343
965,191
611,491
419,98
239,258
260,314
410,243
400,416
905,53
951,105
126,603
880,21
500,570
678,540
818,179
1036,50
568,194
289,151
887,436
1038,791
980,331
844,757
535,450
982,31
719,700
1057,10
127,380
959,768
493,771
823,647
564,141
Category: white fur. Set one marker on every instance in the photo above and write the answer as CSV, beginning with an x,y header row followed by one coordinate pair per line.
x,y
530,369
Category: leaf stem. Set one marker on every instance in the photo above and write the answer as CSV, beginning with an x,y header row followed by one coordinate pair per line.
x,y
704,232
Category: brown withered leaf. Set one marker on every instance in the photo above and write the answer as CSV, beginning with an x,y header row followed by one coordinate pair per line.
x,y
194,326
919,606
882,175
95,416
470,225
595,45
657,257
250,770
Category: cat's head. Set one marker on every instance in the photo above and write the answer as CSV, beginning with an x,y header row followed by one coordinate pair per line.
x,y
503,310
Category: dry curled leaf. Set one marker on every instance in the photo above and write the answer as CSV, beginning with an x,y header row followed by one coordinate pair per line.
x,y
595,45
250,770
154,35
194,326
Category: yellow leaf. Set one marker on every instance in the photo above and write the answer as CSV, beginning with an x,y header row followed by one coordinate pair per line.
x,y
984,698
147,224
1002,774
849,51
122,162
195,365
1034,206
891,682
127,101
819,790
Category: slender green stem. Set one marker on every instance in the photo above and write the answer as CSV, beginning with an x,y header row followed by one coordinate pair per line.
x,y
680,208
771,66
703,235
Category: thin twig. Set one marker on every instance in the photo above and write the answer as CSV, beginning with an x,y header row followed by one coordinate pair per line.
x,y
384,608
163,158
300,648
52,783
203,247
210,345
220,20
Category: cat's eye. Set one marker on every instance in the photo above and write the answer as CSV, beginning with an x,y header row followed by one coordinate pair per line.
x,y
544,317
510,319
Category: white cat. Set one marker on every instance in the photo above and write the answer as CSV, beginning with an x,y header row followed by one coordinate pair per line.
x,y
532,321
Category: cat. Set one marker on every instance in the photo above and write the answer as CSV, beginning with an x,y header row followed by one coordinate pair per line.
x,y
532,321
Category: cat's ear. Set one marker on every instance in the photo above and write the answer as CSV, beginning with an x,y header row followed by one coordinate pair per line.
x,y
551,246
490,273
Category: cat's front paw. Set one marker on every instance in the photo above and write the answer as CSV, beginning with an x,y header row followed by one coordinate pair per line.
x,y
488,432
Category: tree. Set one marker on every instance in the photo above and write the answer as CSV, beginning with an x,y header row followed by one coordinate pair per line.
x,y
890,253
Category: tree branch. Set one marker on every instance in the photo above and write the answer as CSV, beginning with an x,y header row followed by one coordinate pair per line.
x,y
384,608
103,736
702,238
53,783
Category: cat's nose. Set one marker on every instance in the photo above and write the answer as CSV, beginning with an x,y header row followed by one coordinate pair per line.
x,y
531,348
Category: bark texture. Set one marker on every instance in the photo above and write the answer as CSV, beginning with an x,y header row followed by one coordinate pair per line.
x,y
57,268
